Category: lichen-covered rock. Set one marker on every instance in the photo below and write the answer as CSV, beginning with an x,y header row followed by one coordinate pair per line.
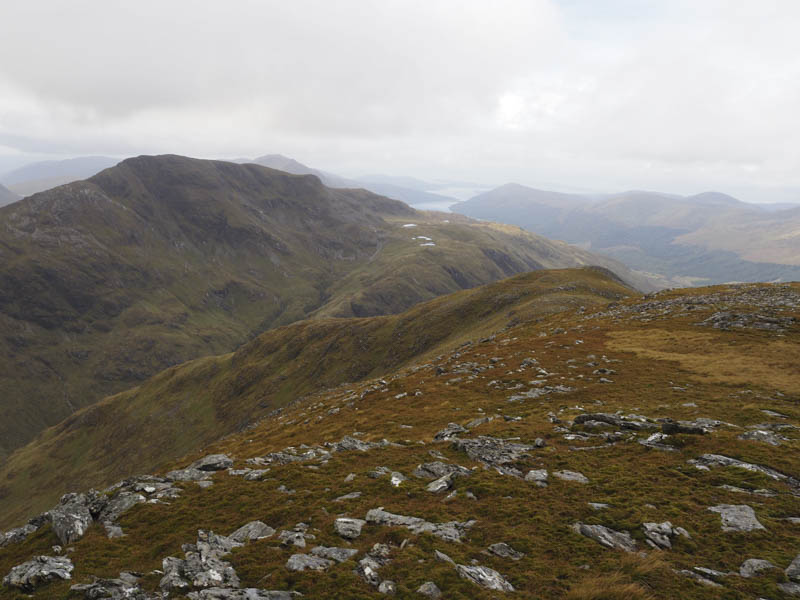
x,y
438,469
307,562
254,530
503,550
449,432
571,476
484,577
494,452
337,554
242,594
40,570
609,538
348,528
537,476
430,590
737,517
71,518
212,462
451,531
126,587
753,567
793,570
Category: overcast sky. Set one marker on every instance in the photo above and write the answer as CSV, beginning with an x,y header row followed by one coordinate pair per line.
x,y
674,95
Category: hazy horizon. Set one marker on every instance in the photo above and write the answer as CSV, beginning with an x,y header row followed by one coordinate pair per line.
x,y
678,97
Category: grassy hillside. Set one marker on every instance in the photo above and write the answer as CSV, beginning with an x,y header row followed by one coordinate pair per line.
x,y
593,385
160,260
193,404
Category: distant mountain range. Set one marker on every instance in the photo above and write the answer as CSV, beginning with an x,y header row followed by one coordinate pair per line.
x,y
41,176
7,196
701,239
159,260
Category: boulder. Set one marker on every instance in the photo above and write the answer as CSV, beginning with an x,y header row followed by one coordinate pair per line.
x,y
737,517
348,528
753,567
40,570
337,554
484,577
187,475
16,535
537,476
503,550
387,587
307,562
609,538
659,534
438,469
793,570
430,590
254,530
449,432
571,476
71,518
126,587
212,462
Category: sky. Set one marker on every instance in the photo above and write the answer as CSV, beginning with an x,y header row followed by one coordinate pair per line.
x,y
679,96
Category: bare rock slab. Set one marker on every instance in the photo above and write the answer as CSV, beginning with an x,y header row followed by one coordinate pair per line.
x,y
620,540
737,517
40,570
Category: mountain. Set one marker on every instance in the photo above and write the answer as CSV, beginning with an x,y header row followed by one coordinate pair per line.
x,y
198,402
410,194
40,176
160,260
640,448
7,196
687,240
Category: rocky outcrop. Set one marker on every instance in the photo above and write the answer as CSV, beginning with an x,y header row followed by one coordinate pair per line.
x,y
348,528
307,562
40,570
451,531
484,577
707,461
660,535
503,550
494,452
753,567
619,540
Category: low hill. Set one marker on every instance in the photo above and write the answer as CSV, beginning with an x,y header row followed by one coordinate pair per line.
x,y
694,240
641,449
159,260
193,404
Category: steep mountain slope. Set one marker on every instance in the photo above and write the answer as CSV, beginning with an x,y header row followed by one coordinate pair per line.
x,y
47,174
706,238
198,402
163,259
7,196
642,449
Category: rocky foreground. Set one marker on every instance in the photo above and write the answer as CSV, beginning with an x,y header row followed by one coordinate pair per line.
x,y
645,449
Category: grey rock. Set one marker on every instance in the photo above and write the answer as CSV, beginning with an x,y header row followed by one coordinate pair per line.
x,y
494,452
790,589
397,478
737,517
337,554
598,505
430,590
204,483
537,476
793,570
670,427
350,496
121,502
698,578
719,460
71,518
658,534
571,476
442,484
38,571
113,531
212,462
257,475
293,538
124,588
607,537
16,535
254,530
484,577
451,531
438,469
449,432
503,550
753,567
763,436
387,587
615,420
348,528
215,593
187,475
173,579
307,562
368,566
